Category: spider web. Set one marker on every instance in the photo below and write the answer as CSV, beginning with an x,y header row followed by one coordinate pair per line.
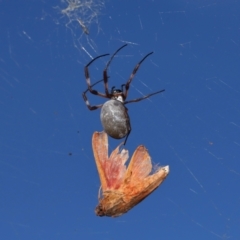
x,y
49,181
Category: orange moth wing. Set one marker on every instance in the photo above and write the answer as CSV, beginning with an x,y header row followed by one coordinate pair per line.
x,y
111,169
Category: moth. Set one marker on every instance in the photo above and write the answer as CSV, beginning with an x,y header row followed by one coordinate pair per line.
x,y
123,187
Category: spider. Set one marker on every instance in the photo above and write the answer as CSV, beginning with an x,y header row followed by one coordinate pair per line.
x,y
114,115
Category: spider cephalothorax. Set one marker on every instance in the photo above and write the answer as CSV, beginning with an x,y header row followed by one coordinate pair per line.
x,y
114,115
117,94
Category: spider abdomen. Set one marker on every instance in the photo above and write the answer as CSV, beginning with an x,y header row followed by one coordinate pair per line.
x,y
115,119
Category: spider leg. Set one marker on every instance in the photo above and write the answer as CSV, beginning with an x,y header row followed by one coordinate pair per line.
x,y
86,100
94,84
129,124
133,74
87,76
89,106
125,141
144,97
105,77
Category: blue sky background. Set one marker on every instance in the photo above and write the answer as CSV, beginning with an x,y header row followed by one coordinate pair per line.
x,y
48,178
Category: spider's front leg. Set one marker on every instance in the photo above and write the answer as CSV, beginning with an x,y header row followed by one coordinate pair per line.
x,y
105,76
